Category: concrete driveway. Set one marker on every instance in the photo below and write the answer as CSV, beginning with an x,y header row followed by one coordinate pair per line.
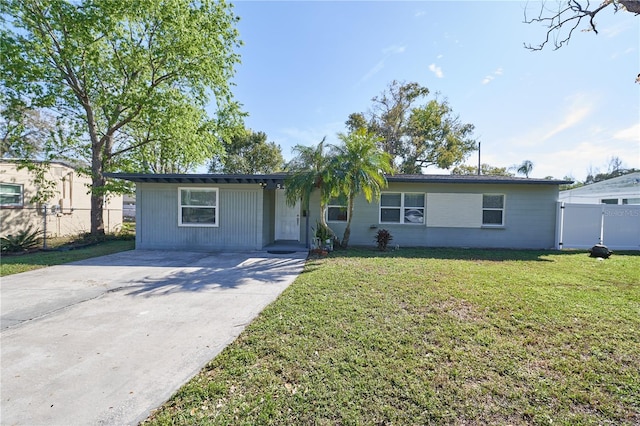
x,y
106,340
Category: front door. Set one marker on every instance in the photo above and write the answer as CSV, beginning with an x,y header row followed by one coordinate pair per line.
x,y
287,218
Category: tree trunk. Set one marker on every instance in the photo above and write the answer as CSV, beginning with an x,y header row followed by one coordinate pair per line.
x,y
97,177
97,198
347,230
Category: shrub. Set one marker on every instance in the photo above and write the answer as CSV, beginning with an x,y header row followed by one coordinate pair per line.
x,y
24,240
382,238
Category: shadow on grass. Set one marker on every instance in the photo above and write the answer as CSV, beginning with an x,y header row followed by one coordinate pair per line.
x,y
489,254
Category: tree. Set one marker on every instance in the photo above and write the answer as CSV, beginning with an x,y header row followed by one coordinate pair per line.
x,y
310,170
174,137
563,20
359,168
416,136
248,152
525,168
438,138
105,65
485,169
615,168
22,130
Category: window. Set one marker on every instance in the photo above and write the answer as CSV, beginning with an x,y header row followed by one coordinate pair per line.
x,y
627,201
404,208
609,201
492,209
10,195
198,207
337,209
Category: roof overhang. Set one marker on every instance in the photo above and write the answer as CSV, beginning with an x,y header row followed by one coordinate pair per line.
x,y
277,179
266,181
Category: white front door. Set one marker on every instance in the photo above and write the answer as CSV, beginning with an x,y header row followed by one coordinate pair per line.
x,y
287,218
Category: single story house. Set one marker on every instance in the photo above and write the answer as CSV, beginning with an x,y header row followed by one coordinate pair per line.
x,y
68,203
621,190
249,212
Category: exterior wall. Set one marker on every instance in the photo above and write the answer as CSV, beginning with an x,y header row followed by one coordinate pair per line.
x,y
240,227
529,217
268,210
68,210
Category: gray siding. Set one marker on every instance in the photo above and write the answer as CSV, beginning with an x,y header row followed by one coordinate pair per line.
x,y
268,210
530,219
240,219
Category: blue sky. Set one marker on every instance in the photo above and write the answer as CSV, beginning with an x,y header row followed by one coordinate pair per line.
x,y
306,65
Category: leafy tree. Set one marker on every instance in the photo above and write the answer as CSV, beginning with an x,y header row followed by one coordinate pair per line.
x,y
109,66
359,168
525,168
615,168
174,137
485,169
416,136
248,152
438,138
563,20
309,170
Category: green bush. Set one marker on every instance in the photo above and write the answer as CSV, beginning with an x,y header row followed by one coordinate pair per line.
x,y
24,240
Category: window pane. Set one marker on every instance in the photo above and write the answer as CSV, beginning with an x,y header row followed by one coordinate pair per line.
x,y
191,197
390,215
414,215
9,189
390,200
337,214
631,201
609,201
493,201
492,217
198,215
414,200
10,195
9,199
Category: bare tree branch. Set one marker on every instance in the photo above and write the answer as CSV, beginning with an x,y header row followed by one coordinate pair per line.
x,y
570,14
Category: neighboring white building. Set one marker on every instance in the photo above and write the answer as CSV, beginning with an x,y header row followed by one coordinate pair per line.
x,y
68,207
622,190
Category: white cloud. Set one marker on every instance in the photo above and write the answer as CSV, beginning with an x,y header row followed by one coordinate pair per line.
x,y
629,134
394,49
573,116
387,52
581,106
436,70
488,79
373,71
420,13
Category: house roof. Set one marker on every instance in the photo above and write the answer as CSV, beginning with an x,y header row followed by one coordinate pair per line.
x,y
625,184
272,180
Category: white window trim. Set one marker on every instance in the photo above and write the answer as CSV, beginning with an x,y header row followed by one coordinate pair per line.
x,y
503,210
402,207
216,207
19,203
329,205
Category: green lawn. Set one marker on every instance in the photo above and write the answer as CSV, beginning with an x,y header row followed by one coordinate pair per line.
x,y
433,337
13,264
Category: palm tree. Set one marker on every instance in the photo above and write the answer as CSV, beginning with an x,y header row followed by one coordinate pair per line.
x,y
360,167
310,170
525,168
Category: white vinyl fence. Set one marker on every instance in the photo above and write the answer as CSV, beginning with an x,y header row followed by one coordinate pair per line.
x,y
582,226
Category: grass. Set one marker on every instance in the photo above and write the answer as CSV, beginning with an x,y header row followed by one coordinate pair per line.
x,y
13,264
433,337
